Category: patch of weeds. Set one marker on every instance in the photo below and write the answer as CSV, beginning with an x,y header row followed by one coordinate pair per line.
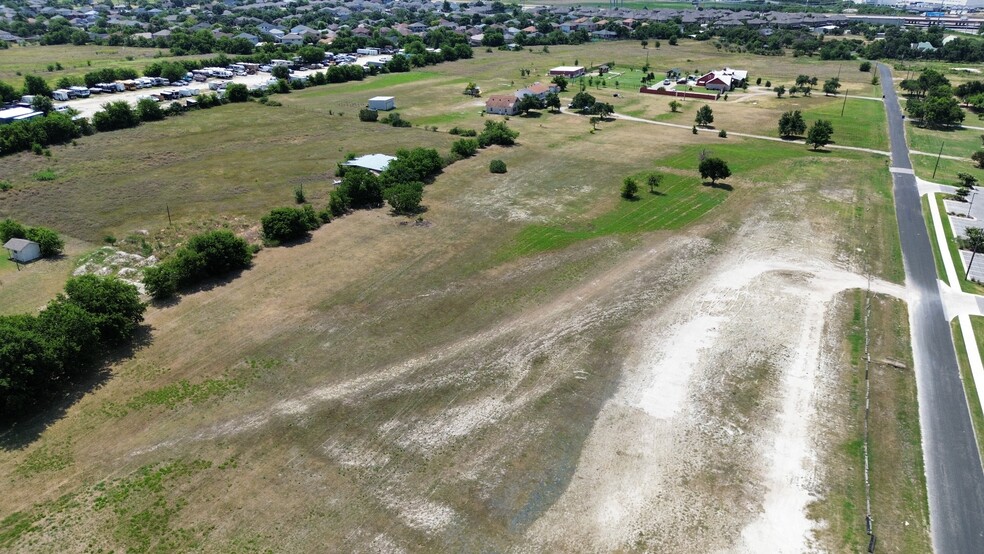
x,y
45,175
45,458
5,186
16,525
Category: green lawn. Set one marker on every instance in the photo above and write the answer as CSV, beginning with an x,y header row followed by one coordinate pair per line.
x,y
863,123
18,61
955,142
940,268
681,199
947,171
970,388
5,263
374,83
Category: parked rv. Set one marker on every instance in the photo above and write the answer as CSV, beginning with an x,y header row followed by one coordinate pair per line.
x,y
61,95
80,92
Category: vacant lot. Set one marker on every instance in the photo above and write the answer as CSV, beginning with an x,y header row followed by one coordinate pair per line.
x,y
76,61
538,362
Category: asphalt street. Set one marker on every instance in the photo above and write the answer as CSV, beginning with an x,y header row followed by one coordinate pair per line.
x,y
953,465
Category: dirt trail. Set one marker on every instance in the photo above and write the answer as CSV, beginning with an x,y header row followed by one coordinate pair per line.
x,y
671,462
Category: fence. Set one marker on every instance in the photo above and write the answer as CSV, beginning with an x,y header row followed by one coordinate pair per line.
x,y
680,94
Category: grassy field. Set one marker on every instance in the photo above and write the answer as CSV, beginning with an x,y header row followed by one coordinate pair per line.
x,y
946,172
899,506
955,142
970,388
291,408
76,61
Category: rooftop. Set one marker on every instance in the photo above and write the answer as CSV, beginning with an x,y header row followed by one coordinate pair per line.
x,y
372,162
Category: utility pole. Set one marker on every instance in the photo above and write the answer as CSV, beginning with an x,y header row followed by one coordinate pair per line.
x,y
938,156
844,105
168,208
973,196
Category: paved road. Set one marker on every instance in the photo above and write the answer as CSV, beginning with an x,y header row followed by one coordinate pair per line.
x,y
953,465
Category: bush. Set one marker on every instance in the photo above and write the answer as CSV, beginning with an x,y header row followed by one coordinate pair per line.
x,y
237,92
289,224
465,148
149,110
865,66
497,132
629,188
115,305
116,115
361,189
299,194
338,203
463,132
365,114
722,133
206,255
45,175
497,166
49,241
416,164
395,120
10,229
5,186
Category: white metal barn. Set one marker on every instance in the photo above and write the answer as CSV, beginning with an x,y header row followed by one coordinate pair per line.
x,y
23,250
382,103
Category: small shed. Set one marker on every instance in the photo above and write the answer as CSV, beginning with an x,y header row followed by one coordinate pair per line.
x,y
23,250
382,103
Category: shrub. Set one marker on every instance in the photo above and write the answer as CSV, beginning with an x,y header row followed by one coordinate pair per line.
x,y
362,189
865,66
5,186
465,148
365,114
237,92
630,188
10,229
116,115
395,120
289,224
49,241
497,166
45,175
463,132
722,133
149,110
115,304
338,203
299,194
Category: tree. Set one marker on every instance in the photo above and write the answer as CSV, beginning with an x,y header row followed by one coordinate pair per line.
x,y
675,106
465,148
10,229
978,158
280,72
602,109
365,114
654,180
8,93
149,109
362,189
942,111
237,92
311,54
974,241
780,90
497,132
831,85
42,104
49,241
561,82
967,180
115,305
528,103
582,101
115,115
865,66
714,169
629,188
705,116
497,166
34,85
405,198
791,124
552,102
645,43
820,133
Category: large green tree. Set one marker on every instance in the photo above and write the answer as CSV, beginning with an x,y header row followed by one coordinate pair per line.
x,y
791,124
115,305
705,116
820,133
714,169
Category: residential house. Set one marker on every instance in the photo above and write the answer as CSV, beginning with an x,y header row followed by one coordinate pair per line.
x,y
538,89
723,80
502,104
292,39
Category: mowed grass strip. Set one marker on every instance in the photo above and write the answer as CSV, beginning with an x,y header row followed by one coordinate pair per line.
x,y
954,251
937,256
970,387
898,489
863,124
954,141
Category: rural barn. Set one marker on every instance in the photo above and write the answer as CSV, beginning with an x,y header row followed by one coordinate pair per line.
x,y
570,71
382,103
23,250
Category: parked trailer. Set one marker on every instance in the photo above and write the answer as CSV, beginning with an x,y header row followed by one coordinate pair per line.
x,y
81,92
61,95
130,84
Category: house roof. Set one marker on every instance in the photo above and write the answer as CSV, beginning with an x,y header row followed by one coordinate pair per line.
x,y
500,101
372,162
381,98
18,244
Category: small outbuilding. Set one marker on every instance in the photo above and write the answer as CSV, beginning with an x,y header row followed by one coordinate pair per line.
x,y
376,163
23,250
569,71
382,103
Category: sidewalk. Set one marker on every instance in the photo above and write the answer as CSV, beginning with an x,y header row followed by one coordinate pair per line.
x,y
957,303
